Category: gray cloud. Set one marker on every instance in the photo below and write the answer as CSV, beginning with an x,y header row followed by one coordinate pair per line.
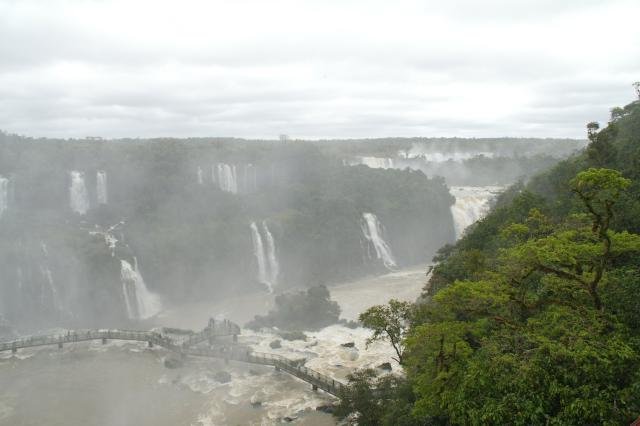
x,y
70,68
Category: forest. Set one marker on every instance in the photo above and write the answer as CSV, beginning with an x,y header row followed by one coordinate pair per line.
x,y
181,213
532,318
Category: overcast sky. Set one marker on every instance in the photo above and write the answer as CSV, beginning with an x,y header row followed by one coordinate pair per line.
x,y
314,69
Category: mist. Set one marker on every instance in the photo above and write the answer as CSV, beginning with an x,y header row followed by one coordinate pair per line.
x,y
250,213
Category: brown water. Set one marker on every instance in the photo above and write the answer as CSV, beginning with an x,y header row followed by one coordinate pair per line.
x,y
122,384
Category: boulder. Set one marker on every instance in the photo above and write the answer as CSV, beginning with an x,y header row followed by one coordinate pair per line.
x,y
326,408
222,377
385,366
348,345
276,344
173,363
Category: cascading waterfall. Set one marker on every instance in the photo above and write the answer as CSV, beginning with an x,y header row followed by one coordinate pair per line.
x,y
258,250
227,178
374,162
78,197
51,290
101,187
268,267
372,231
472,204
274,267
140,302
200,175
4,194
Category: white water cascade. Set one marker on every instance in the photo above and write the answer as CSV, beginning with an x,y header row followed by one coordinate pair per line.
x,y
227,178
372,231
4,194
373,162
472,204
140,302
200,175
274,267
78,197
101,186
268,267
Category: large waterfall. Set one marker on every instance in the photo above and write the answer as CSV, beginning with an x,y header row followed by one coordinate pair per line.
x,y
101,187
140,302
4,194
372,230
227,178
78,197
472,204
268,267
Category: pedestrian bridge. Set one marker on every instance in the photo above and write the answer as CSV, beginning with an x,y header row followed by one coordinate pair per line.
x,y
190,344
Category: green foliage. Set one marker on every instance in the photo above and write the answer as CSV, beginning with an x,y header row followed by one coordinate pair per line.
x,y
389,322
532,317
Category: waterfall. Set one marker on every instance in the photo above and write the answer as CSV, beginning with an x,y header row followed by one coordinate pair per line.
x,y
258,250
51,290
373,162
200,175
227,178
4,194
140,302
78,197
472,204
372,230
101,187
274,267
267,262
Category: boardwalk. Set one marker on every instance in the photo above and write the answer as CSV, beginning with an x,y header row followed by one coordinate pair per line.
x,y
189,345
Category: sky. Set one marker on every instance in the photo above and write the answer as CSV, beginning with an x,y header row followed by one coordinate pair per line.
x,y
314,69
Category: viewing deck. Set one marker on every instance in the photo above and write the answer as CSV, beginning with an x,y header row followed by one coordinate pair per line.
x,y
190,345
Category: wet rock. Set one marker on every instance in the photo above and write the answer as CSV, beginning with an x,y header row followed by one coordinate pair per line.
x,y
257,399
275,344
326,408
385,366
289,419
173,363
348,345
293,335
222,377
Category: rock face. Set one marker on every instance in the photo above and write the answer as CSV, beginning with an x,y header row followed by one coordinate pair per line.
x,y
222,377
275,344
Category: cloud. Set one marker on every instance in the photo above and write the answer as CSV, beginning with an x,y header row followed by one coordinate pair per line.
x,y
353,68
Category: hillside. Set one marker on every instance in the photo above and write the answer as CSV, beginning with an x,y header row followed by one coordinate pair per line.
x,y
532,317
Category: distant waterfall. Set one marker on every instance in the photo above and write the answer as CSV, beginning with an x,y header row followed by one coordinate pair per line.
x,y
4,194
200,175
78,197
268,268
274,267
140,302
374,162
472,204
101,187
372,230
49,294
227,178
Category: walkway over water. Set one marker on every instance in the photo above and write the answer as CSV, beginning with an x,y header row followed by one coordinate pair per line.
x,y
189,345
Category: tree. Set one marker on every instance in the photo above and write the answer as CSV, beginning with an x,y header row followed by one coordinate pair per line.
x,y
389,322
